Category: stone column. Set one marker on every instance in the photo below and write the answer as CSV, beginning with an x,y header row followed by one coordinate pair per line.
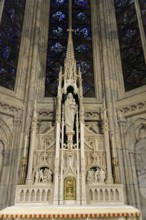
x,y
14,159
62,161
82,162
135,182
56,170
108,82
107,147
122,123
96,41
29,179
127,172
78,160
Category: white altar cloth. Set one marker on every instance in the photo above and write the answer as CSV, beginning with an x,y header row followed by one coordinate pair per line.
x,y
72,211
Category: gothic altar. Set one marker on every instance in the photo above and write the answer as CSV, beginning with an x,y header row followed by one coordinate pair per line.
x,y
70,172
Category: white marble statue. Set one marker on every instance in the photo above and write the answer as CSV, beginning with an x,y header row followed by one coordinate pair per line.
x,y
41,175
90,176
102,176
97,175
49,176
70,109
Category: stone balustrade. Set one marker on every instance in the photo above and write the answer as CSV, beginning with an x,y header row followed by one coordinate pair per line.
x,y
96,194
105,194
34,194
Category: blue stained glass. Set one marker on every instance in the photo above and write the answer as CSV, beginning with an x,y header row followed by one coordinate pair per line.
x,y
132,56
59,16
129,35
58,43
57,48
12,33
81,3
82,32
58,32
81,16
13,71
83,66
82,48
6,52
59,2
10,36
11,13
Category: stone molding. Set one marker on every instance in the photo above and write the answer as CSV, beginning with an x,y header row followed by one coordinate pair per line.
x,y
49,115
132,109
46,115
10,109
92,116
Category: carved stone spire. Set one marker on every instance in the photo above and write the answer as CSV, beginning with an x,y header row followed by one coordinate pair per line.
x,y
70,48
70,68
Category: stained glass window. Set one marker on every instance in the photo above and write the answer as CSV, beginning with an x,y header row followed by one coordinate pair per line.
x,y
10,36
133,62
83,44
57,43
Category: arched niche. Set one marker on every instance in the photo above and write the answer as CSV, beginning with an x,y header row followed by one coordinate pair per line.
x,y
140,161
5,140
135,140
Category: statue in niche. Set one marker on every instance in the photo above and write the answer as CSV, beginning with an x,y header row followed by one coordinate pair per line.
x,y
43,176
49,175
102,176
97,175
70,109
90,176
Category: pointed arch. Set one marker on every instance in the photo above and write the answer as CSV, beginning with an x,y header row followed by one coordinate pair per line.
x,y
5,134
5,141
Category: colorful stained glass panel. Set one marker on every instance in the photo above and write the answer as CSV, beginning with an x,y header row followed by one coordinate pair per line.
x,y
10,36
133,62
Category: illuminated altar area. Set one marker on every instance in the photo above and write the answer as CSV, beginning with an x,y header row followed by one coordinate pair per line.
x,y
69,185
70,172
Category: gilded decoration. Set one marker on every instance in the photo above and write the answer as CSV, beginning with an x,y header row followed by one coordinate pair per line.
x,y
69,188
